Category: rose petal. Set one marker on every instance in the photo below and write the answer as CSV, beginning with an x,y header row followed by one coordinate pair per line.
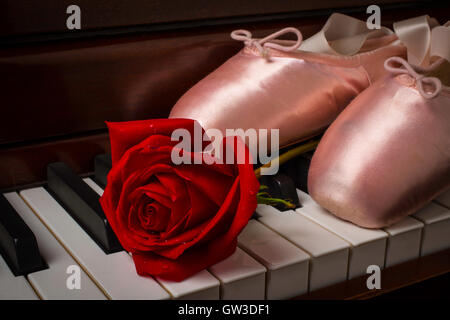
x,y
154,217
191,262
195,241
202,207
124,135
206,181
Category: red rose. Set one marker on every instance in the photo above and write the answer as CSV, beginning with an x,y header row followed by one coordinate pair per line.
x,y
176,220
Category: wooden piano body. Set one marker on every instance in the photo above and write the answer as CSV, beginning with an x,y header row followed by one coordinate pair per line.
x,y
133,61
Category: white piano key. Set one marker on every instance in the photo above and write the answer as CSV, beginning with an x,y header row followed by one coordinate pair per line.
x,y
404,241
14,288
51,283
241,277
287,265
435,236
329,253
201,286
444,199
368,246
91,183
114,273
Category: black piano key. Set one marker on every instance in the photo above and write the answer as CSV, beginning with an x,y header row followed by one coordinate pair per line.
x,y
83,205
268,182
287,188
18,244
103,164
308,155
297,169
282,187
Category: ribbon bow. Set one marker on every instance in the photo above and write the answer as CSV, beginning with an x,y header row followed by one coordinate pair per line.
x,y
420,78
262,44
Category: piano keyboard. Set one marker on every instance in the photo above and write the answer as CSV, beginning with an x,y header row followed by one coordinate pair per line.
x,y
280,255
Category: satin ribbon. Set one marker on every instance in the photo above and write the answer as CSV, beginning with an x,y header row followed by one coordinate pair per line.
x,y
415,34
440,42
345,35
262,44
406,68
342,35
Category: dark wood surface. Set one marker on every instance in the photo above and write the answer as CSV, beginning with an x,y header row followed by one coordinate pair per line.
x,y
393,278
435,288
56,95
26,164
19,17
133,60
59,89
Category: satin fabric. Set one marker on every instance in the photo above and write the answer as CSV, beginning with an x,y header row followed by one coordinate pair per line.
x,y
299,93
342,35
415,34
387,154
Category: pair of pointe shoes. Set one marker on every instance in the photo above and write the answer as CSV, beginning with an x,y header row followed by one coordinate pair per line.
x,y
386,151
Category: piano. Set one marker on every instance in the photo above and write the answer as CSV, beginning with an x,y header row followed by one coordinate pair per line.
x,y
57,89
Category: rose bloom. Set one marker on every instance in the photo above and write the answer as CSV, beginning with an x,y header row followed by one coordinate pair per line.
x,y
176,220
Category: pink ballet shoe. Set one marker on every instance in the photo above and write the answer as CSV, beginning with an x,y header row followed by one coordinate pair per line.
x,y
281,84
388,153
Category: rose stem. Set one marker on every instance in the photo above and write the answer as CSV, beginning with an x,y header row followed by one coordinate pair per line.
x,y
290,154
